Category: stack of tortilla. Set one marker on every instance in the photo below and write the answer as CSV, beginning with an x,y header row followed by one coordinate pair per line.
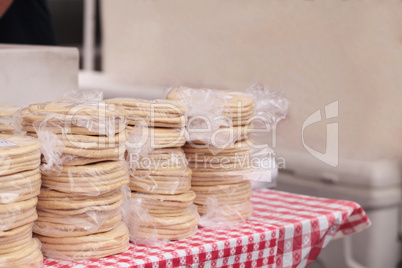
x,y
20,181
220,169
160,177
6,111
82,174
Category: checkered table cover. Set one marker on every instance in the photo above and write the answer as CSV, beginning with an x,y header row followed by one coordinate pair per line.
x,y
286,230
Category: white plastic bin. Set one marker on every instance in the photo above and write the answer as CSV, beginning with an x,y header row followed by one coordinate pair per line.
x,y
374,185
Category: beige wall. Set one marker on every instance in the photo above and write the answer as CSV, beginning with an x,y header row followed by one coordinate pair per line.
x,y
316,51
31,74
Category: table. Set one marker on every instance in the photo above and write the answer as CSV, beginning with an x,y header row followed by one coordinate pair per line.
x,y
286,230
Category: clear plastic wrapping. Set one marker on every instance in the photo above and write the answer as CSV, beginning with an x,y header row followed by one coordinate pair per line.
x,y
72,215
91,246
161,171
20,186
20,182
154,218
28,256
270,107
161,207
18,154
221,149
76,133
16,214
158,113
75,117
215,118
6,122
221,205
156,137
88,180
207,111
15,239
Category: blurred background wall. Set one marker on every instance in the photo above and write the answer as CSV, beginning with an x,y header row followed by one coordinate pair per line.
x,y
316,51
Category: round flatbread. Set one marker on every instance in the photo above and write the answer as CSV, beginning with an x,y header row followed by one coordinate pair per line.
x,y
172,235
6,135
17,146
157,137
157,113
227,212
16,214
29,256
15,239
48,224
82,118
20,186
172,158
7,110
87,247
54,200
161,181
236,105
230,193
167,205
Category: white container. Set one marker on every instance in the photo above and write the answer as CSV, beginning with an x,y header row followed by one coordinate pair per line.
x,y
30,74
374,185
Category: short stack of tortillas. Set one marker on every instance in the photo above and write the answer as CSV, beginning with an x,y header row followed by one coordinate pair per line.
x,y
79,133
219,176
160,178
20,181
6,130
162,171
79,204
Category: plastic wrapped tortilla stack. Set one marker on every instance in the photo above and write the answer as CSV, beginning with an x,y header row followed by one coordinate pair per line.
x,y
83,178
6,111
161,207
20,182
219,150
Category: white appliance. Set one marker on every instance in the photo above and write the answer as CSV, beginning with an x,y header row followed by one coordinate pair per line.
x,y
375,185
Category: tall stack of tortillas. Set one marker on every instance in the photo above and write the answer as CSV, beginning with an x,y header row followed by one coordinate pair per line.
x,y
20,181
220,160
160,177
83,171
6,130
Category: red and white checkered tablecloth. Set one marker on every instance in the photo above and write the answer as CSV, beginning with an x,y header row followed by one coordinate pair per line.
x,y
286,230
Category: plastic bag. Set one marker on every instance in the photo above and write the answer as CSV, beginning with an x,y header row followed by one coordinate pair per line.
x,y
88,180
162,171
66,128
226,156
155,138
6,122
270,107
72,215
20,186
16,214
78,118
158,113
18,154
93,246
15,239
223,204
155,218
207,112
28,256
